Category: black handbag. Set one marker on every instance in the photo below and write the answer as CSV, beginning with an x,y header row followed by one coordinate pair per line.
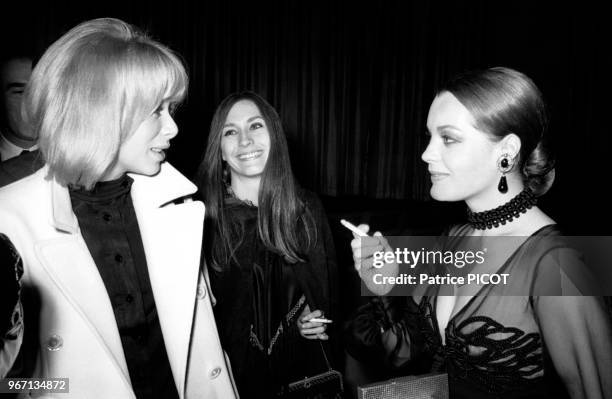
x,y
325,385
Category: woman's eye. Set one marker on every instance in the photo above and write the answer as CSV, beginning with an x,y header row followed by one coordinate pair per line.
x,y
256,125
448,140
229,132
158,111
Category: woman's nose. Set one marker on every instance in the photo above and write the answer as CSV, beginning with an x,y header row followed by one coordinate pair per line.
x,y
244,138
169,127
430,153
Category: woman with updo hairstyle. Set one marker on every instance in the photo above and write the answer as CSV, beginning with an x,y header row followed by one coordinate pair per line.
x,y
504,101
533,336
268,249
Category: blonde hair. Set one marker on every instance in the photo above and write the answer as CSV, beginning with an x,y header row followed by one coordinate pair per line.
x,y
90,91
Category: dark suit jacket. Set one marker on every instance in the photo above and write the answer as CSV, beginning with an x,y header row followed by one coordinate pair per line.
x,y
19,167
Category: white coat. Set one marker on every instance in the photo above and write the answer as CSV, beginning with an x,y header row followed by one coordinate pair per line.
x,y
78,336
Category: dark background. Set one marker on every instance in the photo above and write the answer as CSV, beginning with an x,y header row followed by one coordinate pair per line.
x,y
353,83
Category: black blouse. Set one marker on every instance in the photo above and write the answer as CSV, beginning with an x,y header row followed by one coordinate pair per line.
x,y
110,229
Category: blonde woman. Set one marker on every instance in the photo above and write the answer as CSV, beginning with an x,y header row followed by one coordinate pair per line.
x,y
102,233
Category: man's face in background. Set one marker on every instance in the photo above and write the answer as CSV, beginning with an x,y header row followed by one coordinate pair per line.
x,y
14,75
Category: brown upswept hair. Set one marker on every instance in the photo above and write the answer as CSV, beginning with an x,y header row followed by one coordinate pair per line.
x,y
284,223
503,101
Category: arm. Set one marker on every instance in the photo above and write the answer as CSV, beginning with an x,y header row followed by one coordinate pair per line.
x,y
386,332
324,288
577,335
11,315
577,330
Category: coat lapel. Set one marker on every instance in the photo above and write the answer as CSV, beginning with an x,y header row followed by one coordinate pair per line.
x,y
172,239
69,264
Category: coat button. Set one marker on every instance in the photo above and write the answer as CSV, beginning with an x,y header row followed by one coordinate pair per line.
x,y
214,373
54,343
201,291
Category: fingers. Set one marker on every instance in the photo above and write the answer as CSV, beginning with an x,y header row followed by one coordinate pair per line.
x,y
365,247
383,241
305,312
363,227
315,333
307,315
364,242
310,329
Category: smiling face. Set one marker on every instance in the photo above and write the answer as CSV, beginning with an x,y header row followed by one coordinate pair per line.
x,y
245,141
461,159
145,150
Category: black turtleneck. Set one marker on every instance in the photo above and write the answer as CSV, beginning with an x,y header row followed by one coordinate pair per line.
x,y
109,226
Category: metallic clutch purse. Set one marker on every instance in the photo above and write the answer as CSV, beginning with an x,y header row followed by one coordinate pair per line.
x,y
429,386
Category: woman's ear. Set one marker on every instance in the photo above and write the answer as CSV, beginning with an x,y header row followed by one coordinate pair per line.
x,y
511,145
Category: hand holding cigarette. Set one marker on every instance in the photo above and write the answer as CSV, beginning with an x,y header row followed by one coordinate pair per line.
x,y
312,325
364,247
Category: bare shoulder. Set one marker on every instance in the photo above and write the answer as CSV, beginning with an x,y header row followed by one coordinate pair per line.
x,y
532,221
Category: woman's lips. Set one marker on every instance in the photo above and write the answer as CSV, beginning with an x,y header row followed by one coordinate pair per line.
x,y
247,156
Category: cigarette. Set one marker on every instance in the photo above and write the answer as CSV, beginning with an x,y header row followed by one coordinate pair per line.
x,y
353,228
320,320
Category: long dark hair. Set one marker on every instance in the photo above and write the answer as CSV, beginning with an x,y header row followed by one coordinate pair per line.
x,y
504,101
284,224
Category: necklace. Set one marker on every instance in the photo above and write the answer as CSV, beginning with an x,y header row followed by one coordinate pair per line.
x,y
503,213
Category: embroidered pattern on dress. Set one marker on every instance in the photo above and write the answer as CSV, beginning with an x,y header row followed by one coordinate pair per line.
x,y
289,318
496,358
497,364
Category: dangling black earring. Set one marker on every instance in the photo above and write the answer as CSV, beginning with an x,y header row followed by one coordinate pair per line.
x,y
504,165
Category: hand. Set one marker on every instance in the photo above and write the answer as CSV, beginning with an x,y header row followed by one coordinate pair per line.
x,y
364,249
9,284
310,329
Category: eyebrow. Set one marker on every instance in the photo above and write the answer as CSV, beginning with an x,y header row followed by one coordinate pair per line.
x,y
451,127
252,118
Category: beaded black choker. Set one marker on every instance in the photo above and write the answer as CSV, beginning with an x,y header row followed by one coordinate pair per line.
x,y
503,213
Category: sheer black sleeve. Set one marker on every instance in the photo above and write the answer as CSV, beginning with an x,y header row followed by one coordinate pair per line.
x,y
11,320
386,332
577,330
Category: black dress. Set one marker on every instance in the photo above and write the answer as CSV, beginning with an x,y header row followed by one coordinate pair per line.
x,y
259,299
499,345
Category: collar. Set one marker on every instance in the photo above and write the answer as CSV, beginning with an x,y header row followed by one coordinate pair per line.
x,y
104,192
9,150
167,186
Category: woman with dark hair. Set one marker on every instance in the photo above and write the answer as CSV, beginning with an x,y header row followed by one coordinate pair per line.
x,y
487,134
268,248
